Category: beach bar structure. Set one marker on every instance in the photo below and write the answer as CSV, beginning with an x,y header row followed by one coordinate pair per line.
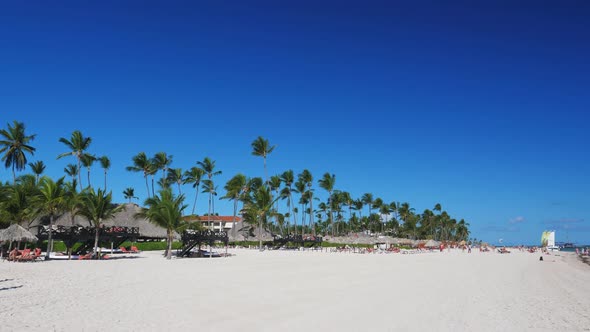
x,y
193,238
115,235
297,241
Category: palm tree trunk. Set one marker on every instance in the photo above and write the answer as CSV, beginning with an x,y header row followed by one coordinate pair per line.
x,y
311,223
79,173
13,175
169,251
331,212
179,190
49,237
233,226
105,180
260,233
195,202
147,185
96,235
153,192
89,186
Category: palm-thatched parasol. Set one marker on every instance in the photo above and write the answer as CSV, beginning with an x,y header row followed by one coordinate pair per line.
x,y
16,233
432,244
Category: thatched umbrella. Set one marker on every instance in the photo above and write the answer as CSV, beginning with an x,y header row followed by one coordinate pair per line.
x,y
16,233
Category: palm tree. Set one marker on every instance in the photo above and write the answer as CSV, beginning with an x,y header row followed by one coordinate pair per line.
x,y
261,148
105,163
194,176
14,144
141,163
175,175
78,144
307,178
234,189
162,161
208,166
71,170
165,211
51,202
210,188
258,208
71,203
327,183
129,194
300,187
275,184
367,199
87,160
288,178
38,168
96,207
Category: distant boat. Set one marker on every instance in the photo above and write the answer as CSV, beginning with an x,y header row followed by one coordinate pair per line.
x,y
548,241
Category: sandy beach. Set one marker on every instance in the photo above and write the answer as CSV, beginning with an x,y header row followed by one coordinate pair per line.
x,y
295,291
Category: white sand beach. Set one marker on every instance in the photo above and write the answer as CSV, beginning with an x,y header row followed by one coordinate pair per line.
x,y
300,291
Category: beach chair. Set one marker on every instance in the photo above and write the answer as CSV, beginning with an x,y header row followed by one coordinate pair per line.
x,y
135,250
85,257
25,256
125,251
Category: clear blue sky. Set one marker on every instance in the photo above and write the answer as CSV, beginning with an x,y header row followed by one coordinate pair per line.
x,y
480,106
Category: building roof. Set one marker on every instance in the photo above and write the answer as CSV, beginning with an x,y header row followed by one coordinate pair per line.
x,y
212,218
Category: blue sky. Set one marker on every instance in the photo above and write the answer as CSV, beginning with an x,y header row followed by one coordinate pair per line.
x,y
479,106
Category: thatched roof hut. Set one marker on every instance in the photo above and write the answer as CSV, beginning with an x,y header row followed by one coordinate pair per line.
x,y
123,218
432,244
16,233
242,231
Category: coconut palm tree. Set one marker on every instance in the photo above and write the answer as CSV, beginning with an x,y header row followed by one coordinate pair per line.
x,y
78,144
275,185
257,209
301,188
162,161
72,171
165,210
38,168
307,178
287,192
141,163
14,144
208,165
327,183
234,189
210,188
194,177
261,148
51,202
129,194
175,175
71,202
105,163
87,161
97,207
367,199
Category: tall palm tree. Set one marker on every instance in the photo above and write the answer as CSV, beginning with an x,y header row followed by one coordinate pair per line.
x,y
97,207
301,188
129,194
38,168
275,185
234,189
78,144
72,171
71,203
162,161
208,165
87,161
367,199
141,163
51,202
210,188
261,148
288,178
165,211
105,163
14,144
257,209
307,178
327,183
194,177
175,175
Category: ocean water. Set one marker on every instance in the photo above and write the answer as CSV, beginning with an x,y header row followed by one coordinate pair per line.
x,y
580,247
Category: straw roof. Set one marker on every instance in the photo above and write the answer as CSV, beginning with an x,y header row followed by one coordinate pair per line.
x,y
432,244
123,218
16,233
245,232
